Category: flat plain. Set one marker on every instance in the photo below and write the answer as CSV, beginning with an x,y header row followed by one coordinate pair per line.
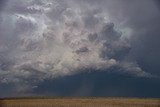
x,y
79,102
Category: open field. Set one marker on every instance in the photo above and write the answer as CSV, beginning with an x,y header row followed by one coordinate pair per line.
x,y
79,102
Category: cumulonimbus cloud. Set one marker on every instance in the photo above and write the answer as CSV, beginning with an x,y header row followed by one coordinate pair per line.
x,y
49,38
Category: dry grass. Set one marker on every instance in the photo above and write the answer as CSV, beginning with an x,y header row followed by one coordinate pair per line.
x,y
78,102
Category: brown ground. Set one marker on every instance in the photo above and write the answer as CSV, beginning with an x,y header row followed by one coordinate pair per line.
x,y
79,102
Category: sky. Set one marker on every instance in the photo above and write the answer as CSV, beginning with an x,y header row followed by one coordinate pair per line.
x,y
80,48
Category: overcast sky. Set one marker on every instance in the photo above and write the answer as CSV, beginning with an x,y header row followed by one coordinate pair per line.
x,y
80,48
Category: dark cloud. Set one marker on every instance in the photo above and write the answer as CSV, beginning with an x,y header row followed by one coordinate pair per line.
x,y
109,33
42,42
92,37
52,40
142,17
2,4
113,47
82,50
100,84
145,40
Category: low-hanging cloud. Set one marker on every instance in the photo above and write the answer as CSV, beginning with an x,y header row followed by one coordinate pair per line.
x,y
50,38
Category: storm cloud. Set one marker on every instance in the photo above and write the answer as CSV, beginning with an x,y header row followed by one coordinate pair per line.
x,y
47,39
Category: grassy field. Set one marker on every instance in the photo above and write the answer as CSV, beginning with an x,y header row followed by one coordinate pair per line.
x,y
79,102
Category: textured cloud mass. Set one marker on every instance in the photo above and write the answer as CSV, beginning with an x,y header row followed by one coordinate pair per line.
x,y
42,39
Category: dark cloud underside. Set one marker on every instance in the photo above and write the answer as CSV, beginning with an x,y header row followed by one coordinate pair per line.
x,y
100,84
